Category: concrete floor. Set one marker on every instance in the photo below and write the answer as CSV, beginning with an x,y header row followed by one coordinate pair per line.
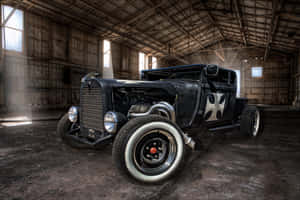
x,y
35,164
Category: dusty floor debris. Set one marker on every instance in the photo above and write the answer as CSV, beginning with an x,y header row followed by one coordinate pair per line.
x,y
35,164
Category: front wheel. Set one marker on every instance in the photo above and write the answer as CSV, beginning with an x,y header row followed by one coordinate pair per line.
x,y
149,149
65,128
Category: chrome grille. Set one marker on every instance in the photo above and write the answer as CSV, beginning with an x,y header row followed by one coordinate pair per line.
x,y
91,106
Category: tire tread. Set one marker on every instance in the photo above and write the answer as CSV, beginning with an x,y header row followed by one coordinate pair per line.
x,y
245,126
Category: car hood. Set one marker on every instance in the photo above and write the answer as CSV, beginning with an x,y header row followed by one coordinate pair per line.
x,y
168,86
184,92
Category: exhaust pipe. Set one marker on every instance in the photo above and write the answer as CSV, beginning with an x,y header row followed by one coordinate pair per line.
x,y
189,141
167,109
162,106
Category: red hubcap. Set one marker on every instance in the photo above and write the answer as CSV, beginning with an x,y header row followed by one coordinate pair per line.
x,y
153,150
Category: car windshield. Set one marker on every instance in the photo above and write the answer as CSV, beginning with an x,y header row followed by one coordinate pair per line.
x,y
186,76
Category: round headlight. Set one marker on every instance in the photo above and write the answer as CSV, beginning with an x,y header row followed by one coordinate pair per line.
x,y
73,114
110,122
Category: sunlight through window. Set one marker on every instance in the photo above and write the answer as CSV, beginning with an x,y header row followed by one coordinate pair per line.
x,y
154,62
12,29
141,62
16,121
256,72
11,124
106,54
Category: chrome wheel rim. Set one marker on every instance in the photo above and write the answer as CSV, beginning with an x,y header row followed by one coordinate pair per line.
x,y
154,152
256,123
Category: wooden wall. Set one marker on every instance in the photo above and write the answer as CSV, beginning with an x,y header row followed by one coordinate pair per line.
x,y
125,62
47,74
272,88
56,56
296,80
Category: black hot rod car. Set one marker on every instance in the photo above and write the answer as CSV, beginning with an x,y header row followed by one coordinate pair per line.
x,y
149,121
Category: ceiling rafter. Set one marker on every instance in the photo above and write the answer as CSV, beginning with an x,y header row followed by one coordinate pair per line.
x,y
174,39
174,22
210,33
198,10
259,33
143,13
212,20
84,20
179,28
131,28
239,18
182,29
274,23
196,47
113,18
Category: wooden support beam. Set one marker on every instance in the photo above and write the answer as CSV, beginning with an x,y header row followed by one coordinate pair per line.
x,y
290,16
274,23
210,34
239,17
196,48
219,56
144,13
214,23
211,19
147,37
8,17
119,22
195,31
172,21
55,10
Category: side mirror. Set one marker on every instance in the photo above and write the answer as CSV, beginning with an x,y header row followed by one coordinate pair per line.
x,y
211,70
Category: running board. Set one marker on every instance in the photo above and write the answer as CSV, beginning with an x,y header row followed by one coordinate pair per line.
x,y
220,128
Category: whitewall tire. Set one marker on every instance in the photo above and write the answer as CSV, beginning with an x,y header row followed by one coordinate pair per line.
x,y
149,149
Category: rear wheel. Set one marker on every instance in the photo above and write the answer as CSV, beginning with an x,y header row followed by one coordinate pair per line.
x,y
66,129
251,121
149,149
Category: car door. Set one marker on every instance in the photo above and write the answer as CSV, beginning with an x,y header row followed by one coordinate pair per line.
x,y
218,97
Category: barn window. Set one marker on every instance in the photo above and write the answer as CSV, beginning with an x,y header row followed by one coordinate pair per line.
x,y
12,28
106,54
142,62
154,62
256,72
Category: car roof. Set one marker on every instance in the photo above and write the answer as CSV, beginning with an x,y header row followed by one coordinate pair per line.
x,y
178,68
